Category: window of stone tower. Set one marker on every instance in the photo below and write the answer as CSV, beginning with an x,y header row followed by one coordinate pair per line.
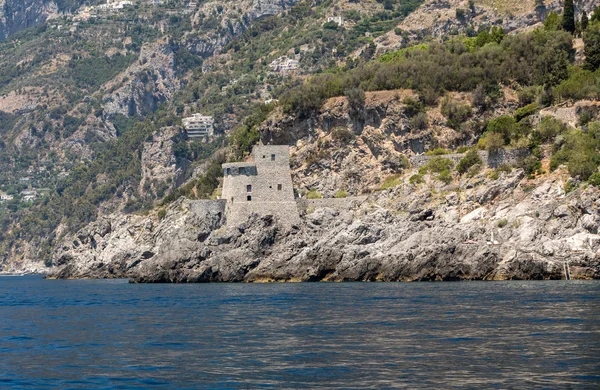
x,y
272,157
229,171
248,188
249,197
242,171
279,187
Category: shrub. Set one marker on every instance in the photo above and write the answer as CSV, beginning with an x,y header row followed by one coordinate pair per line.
x,y
390,182
530,165
492,141
419,122
526,111
595,179
412,107
441,166
162,213
416,179
504,168
582,165
343,135
403,162
437,165
581,84
341,194
504,125
437,152
445,177
502,223
314,194
470,159
356,100
570,186
549,128
456,113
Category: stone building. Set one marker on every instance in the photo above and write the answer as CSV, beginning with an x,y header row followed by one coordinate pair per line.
x,y
263,187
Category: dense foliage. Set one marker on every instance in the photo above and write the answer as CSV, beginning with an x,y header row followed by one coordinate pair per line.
x,y
537,58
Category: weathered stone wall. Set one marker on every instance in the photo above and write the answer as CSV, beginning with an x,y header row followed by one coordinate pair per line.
x,y
421,159
490,159
503,156
334,203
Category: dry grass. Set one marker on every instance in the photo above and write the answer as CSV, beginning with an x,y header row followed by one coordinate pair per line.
x,y
508,6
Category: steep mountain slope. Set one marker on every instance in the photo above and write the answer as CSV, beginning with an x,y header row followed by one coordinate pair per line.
x,y
76,93
93,107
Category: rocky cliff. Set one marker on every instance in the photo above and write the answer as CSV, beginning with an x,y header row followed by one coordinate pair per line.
x,y
17,15
441,18
478,229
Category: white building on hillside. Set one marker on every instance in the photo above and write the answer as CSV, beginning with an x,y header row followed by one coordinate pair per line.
x,y
199,126
336,19
284,64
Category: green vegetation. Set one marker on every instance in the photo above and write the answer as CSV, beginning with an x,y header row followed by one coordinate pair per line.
x,y
502,223
537,58
391,182
342,135
470,159
595,179
314,194
579,151
416,179
341,194
95,70
568,16
437,152
440,166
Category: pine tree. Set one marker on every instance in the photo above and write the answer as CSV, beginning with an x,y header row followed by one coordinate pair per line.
x,y
568,22
584,21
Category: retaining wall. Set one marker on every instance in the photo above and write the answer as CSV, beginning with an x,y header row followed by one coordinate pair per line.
x,y
334,203
489,159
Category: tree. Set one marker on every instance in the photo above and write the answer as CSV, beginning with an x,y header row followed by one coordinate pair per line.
x,y
595,15
584,21
356,100
591,39
568,19
552,22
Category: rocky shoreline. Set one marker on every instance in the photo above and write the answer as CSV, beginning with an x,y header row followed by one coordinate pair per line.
x,y
479,229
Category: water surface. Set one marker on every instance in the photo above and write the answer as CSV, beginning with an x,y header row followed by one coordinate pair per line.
x,y
111,334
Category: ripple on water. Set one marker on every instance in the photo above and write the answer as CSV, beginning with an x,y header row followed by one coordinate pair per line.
x,y
111,334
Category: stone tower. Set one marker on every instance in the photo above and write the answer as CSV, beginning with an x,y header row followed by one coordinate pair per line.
x,y
263,187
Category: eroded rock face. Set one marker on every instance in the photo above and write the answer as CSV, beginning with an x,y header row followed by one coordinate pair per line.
x,y
151,80
405,233
17,15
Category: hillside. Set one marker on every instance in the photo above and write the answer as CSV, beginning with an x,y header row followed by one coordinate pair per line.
x,y
95,128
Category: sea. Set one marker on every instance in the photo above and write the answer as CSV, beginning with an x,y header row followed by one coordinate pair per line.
x,y
109,334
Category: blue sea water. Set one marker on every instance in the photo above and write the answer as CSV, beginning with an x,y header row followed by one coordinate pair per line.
x,y
111,334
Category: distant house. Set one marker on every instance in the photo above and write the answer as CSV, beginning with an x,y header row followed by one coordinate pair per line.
x,y
28,195
336,19
284,64
199,126
6,197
